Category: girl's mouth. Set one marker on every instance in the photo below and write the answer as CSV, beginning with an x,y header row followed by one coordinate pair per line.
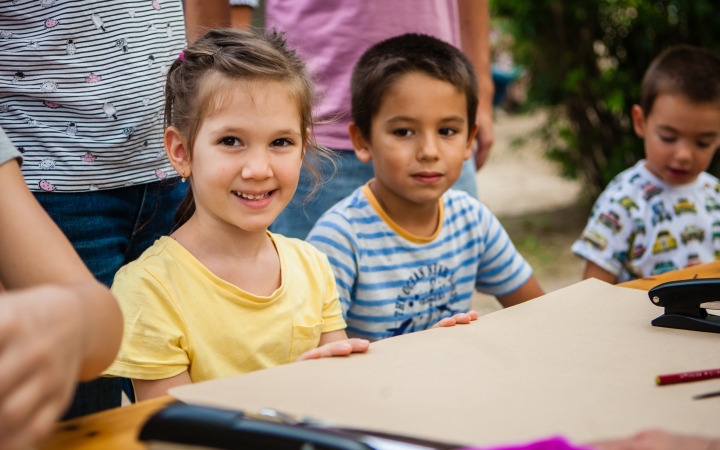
x,y
253,197
256,200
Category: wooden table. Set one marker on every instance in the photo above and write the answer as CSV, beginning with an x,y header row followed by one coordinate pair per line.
x,y
119,428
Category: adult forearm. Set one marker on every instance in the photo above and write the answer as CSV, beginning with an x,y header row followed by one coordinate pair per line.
x,y
34,253
475,42
203,15
33,250
241,17
102,327
474,16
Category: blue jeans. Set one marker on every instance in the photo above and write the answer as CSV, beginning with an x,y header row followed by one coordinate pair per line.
x,y
108,230
298,218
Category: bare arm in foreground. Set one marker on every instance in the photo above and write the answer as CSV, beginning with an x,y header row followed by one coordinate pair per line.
x,y
58,325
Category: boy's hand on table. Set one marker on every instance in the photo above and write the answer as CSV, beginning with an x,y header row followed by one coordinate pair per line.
x,y
457,319
658,440
41,342
337,348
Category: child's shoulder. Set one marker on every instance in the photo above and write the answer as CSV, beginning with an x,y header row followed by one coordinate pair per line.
x,y
456,199
156,256
161,264
635,184
353,206
709,183
355,209
459,205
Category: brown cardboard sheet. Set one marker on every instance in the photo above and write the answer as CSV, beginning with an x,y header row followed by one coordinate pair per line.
x,y
580,362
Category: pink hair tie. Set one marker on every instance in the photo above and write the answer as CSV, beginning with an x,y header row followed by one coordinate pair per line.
x,y
181,56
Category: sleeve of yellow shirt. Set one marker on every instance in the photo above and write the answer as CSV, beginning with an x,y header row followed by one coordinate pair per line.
x,y
332,312
155,340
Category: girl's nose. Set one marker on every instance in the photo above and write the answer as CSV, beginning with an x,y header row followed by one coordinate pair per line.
x,y
257,166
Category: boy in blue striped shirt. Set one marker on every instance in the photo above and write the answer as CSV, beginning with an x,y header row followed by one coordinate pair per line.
x,y
406,251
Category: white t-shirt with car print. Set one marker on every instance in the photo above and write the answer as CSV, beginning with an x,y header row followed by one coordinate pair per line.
x,y
641,226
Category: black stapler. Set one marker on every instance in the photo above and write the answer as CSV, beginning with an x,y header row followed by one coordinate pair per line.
x,y
686,303
188,427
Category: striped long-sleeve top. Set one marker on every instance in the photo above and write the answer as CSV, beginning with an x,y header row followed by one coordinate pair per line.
x,y
392,282
81,89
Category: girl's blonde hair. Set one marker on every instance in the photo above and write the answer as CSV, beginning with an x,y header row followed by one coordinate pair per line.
x,y
236,56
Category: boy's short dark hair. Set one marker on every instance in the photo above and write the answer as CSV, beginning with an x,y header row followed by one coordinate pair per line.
x,y
692,72
385,62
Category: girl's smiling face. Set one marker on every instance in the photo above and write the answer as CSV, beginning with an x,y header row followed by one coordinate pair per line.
x,y
246,157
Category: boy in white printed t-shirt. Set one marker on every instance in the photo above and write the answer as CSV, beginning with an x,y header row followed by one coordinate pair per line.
x,y
406,251
663,213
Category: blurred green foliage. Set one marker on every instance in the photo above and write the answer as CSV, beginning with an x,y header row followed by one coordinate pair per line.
x,y
588,58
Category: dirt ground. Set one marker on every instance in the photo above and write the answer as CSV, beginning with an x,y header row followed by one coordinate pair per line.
x,y
542,212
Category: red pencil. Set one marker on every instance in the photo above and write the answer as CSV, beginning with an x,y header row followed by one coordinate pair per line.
x,y
687,376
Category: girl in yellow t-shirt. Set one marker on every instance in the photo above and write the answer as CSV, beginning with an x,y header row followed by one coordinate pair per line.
x,y
223,296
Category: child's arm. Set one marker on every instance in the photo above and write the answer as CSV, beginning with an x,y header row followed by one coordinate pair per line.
x,y
335,343
592,270
147,389
528,291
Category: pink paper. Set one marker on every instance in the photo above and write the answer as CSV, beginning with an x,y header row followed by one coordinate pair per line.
x,y
554,443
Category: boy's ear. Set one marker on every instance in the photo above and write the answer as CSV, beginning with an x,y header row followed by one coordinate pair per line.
x,y
360,144
638,118
177,151
471,138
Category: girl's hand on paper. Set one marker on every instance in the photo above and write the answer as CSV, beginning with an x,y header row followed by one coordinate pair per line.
x,y
658,440
335,343
457,319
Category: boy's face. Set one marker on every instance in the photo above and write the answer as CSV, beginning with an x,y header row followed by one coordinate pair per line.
x,y
680,137
418,139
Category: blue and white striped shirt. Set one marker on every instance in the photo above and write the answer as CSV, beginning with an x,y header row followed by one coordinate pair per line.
x,y
392,282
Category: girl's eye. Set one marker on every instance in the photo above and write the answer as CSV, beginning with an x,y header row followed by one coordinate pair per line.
x,y
281,142
448,131
703,144
230,141
402,132
668,139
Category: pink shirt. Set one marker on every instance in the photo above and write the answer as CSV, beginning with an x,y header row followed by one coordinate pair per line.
x,y
332,35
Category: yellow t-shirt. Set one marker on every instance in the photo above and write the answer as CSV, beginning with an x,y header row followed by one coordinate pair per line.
x,y
180,316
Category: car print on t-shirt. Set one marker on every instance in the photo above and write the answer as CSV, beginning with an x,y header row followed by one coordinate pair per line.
x,y
664,242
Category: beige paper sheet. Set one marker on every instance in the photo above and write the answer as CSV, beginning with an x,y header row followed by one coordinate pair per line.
x,y
580,362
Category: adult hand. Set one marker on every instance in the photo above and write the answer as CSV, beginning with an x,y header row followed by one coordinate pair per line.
x,y
658,440
41,345
457,319
337,348
485,136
